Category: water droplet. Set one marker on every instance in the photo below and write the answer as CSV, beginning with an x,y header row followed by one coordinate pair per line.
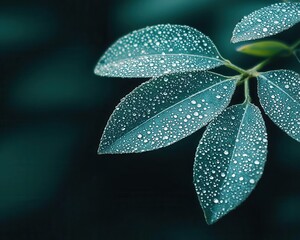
x,y
139,52
267,21
223,165
278,93
139,135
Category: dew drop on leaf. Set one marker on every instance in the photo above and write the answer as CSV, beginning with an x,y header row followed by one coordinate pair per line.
x,y
225,169
159,113
158,50
267,21
279,94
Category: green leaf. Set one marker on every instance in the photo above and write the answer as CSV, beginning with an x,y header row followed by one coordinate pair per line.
x,y
164,110
230,160
264,48
267,21
157,50
279,94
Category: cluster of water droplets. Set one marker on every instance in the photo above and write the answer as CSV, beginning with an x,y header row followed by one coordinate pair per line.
x,y
267,21
279,93
165,110
230,159
157,50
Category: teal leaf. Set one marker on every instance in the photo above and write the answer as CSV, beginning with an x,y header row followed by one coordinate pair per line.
x,y
230,160
279,94
267,21
164,110
157,50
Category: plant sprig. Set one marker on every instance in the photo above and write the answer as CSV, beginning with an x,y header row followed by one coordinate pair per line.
x,y
182,96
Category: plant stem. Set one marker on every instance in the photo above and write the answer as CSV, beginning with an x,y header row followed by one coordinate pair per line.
x,y
241,81
245,75
261,64
295,54
252,72
295,45
234,67
247,91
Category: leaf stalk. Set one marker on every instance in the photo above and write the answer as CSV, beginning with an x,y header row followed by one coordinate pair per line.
x,y
247,91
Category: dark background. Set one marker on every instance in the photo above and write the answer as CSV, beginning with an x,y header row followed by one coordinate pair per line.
x,y
53,185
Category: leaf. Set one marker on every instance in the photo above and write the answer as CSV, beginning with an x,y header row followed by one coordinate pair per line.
x,y
230,160
157,50
264,48
164,110
267,21
279,94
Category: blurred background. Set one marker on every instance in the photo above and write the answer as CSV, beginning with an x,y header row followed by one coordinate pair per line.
x,y
53,109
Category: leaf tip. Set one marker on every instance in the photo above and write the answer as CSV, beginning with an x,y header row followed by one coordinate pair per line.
x,y
211,217
241,48
210,221
110,148
97,70
101,150
104,148
102,68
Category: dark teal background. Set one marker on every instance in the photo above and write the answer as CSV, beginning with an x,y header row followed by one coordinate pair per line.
x,y
53,185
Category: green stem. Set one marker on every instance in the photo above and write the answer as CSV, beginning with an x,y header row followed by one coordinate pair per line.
x,y
295,45
261,64
247,91
252,72
295,54
240,82
234,67
245,75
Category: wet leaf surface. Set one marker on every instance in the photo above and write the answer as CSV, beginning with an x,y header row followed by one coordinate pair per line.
x,y
267,21
164,110
230,160
158,50
279,94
